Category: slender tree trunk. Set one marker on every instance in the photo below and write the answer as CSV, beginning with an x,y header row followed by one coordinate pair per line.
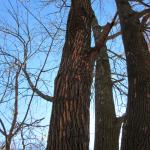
x,y
69,126
136,130
8,143
107,125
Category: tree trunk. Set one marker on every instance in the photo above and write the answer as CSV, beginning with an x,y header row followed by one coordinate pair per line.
x,y
136,129
8,143
107,125
69,126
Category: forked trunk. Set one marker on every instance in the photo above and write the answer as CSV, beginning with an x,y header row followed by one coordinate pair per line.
x,y
107,125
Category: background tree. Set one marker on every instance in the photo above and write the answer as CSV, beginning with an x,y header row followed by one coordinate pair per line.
x,y
107,125
20,46
136,127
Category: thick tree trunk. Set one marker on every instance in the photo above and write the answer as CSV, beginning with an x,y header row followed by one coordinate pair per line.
x,y
107,125
69,126
136,130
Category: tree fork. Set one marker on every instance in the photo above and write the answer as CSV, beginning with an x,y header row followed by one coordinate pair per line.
x,y
69,125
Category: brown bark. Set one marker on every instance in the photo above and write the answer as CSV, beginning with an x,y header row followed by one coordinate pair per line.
x,y
69,126
136,130
107,125
8,143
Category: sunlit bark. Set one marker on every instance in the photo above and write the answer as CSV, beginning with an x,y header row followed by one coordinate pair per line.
x,y
69,126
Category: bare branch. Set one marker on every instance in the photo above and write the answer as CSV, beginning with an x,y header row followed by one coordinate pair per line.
x,y
141,2
13,124
36,90
116,81
4,129
142,13
101,34
113,36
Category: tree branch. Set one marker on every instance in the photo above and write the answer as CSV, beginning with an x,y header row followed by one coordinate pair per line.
x,y
111,37
36,90
141,2
13,124
142,13
100,35
4,129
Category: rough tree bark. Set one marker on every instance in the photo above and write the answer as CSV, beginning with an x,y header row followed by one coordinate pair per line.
x,y
69,126
136,129
107,125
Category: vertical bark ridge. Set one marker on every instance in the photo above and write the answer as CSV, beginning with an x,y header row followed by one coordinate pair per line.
x,y
136,129
69,126
107,125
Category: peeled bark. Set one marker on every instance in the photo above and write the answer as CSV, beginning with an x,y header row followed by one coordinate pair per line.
x,y
136,129
69,126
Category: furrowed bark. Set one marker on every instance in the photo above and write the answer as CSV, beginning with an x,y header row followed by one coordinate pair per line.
x,y
136,129
107,125
69,125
